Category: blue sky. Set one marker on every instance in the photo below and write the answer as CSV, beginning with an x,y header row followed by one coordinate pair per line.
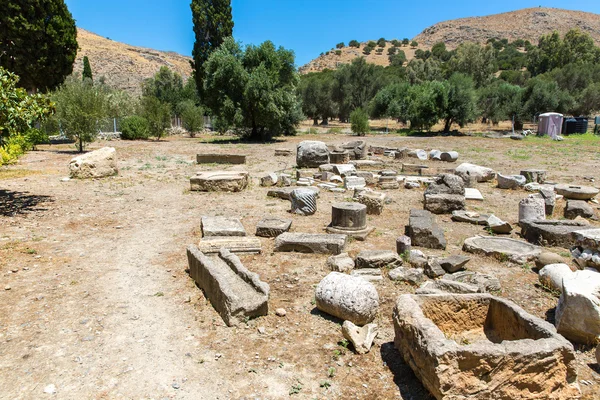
x,y
308,27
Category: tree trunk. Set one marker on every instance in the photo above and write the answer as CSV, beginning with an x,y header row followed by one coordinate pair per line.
x,y
315,121
80,145
447,125
325,121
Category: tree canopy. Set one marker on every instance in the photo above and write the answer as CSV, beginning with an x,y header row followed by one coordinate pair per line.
x,y
38,42
253,90
213,23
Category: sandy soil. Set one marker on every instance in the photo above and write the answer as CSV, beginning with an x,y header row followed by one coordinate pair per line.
x,y
95,298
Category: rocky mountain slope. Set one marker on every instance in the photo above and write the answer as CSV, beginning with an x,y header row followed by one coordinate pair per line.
x,y
528,24
124,66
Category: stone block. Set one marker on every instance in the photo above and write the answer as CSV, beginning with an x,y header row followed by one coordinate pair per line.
x,y
477,346
220,181
95,164
378,259
424,231
311,243
236,293
272,227
212,158
222,226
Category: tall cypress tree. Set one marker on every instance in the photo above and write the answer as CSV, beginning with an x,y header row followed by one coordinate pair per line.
x,y
87,69
38,41
212,24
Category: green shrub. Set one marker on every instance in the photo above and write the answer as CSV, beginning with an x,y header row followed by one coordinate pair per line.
x,y
354,43
359,122
338,52
134,128
367,51
392,51
371,44
414,43
36,136
340,45
14,147
381,42
405,42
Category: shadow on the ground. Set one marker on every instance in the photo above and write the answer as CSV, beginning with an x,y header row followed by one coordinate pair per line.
x,y
20,203
409,385
63,151
551,316
238,140
328,317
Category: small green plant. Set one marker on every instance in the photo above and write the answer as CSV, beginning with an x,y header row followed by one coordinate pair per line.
x,y
359,122
565,254
344,343
503,257
527,267
159,294
297,388
336,354
331,372
405,256
31,251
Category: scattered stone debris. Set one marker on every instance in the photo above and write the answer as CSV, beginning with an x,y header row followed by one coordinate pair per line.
x,y
473,194
578,309
454,263
222,226
511,181
574,192
360,337
469,216
442,336
552,276
235,244
559,233
433,269
235,293
579,208
414,276
286,192
498,226
534,175
347,297
378,259
447,194
373,200
485,282
441,286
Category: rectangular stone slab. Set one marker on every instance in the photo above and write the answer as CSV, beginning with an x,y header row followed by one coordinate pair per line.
x,y
272,227
558,233
234,244
212,158
236,293
219,181
477,346
473,194
222,226
311,243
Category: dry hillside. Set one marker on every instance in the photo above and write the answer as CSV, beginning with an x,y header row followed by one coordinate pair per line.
x,y
528,24
125,66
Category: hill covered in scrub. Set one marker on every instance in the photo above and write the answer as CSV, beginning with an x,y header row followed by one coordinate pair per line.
x,y
528,24
123,66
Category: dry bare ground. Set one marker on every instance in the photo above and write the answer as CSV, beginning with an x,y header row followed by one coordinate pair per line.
x,y
95,298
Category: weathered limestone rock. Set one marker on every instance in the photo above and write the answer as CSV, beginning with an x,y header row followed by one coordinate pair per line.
x,y
311,243
504,249
357,149
304,201
403,245
369,177
269,180
575,192
473,194
549,196
485,282
235,244
236,293
413,276
413,168
552,276
220,181
222,226
534,175
213,158
378,259
470,217
433,269
578,208
373,200
95,164
578,310
454,263
588,238
511,181
347,297
558,233
284,193
368,274
361,338
311,154
341,263
547,258
481,174
272,227
449,156
496,225
418,153
344,170
444,203
441,286
477,346
339,157
423,230
354,182
532,209
284,180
